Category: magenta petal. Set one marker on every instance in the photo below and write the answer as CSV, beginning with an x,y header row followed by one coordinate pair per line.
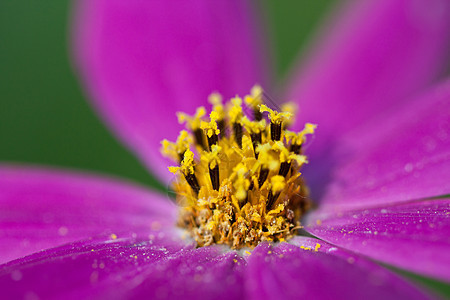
x,y
155,269
203,273
84,269
45,208
402,156
412,236
374,54
289,272
144,60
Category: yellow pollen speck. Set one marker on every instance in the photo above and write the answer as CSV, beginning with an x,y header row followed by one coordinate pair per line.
x,y
238,177
247,252
113,236
317,247
319,222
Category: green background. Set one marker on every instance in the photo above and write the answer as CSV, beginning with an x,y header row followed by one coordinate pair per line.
x,y
44,116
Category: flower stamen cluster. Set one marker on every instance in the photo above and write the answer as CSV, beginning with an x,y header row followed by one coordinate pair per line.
x,y
239,183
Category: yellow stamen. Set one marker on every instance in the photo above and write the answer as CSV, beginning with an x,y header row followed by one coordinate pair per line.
x,y
255,98
187,164
210,128
254,126
175,151
266,157
260,195
292,108
235,112
276,117
278,183
192,122
212,158
298,138
241,183
216,100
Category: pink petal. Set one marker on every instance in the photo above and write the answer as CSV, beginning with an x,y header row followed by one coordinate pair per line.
x,y
403,155
289,272
413,236
373,54
46,208
142,61
203,273
130,269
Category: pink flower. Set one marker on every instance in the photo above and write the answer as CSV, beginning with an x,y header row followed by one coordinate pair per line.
x,y
379,164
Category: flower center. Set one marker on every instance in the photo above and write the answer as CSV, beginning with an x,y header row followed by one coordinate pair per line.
x,y
238,179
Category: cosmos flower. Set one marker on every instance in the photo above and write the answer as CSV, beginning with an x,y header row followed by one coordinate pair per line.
x,y
378,165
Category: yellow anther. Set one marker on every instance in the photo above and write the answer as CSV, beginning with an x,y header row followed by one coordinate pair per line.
x,y
255,98
192,122
175,150
212,158
210,128
286,155
216,100
174,170
274,116
298,138
300,159
187,164
183,141
284,152
256,91
289,107
254,126
263,149
235,112
168,149
265,158
278,183
292,108
241,183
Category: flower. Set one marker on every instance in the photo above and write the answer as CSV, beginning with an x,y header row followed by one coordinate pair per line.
x,y
382,159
